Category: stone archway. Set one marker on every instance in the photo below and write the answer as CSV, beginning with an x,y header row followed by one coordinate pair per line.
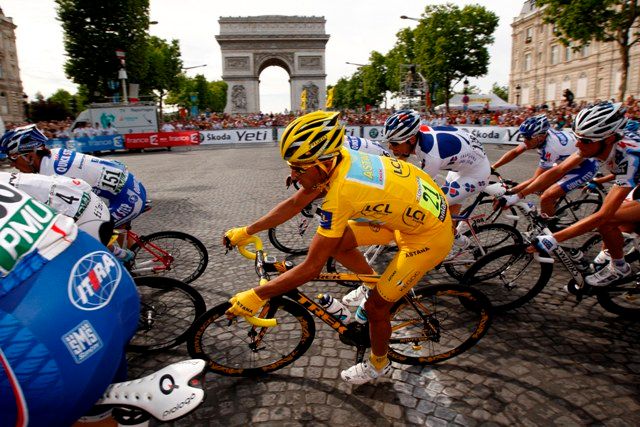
x,y
251,44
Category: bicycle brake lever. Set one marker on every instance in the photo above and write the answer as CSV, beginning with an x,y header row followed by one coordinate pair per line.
x,y
227,245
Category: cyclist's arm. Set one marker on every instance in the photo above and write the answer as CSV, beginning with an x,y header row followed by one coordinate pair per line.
x,y
320,250
611,204
509,156
551,176
604,179
285,210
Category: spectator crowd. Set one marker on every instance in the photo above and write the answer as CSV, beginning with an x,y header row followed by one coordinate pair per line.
x,y
560,115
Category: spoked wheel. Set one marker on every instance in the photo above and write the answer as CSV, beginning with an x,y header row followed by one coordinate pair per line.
x,y
622,299
237,348
484,239
509,277
573,212
436,323
294,236
170,254
168,309
485,207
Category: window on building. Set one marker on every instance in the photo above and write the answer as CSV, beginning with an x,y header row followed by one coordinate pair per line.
x,y
1,72
581,88
539,57
567,53
4,105
555,54
585,51
524,98
528,35
527,61
551,92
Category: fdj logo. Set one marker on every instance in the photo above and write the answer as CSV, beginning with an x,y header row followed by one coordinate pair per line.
x,y
94,279
376,211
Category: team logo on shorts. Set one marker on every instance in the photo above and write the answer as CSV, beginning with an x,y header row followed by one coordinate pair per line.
x,y
93,281
82,341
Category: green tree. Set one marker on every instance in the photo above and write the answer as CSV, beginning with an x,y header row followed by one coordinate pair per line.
x,y
165,66
584,21
93,31
501,91
63,98
402,53
374,79
210,95
451,43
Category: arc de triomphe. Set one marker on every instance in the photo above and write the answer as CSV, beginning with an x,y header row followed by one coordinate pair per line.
x,y
250,44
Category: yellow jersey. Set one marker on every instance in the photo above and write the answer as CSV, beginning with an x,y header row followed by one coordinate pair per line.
x,y
381,190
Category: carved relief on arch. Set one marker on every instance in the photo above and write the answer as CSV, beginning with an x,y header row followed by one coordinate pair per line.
x,y
236,63
264,60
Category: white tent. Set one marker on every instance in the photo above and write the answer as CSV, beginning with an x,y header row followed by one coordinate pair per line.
x,y
477,102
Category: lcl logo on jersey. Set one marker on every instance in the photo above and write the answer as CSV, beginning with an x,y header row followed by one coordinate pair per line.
x,y
376,211
413,217
93,281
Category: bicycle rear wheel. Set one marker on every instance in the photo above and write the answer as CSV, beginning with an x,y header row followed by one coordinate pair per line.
x,y
237,348
488,238
436,323
622,299
170,254
485,207
168,309
509,277
294,236
573,212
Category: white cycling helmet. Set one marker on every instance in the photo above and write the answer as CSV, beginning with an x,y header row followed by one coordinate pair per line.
x,y
599,121
401,126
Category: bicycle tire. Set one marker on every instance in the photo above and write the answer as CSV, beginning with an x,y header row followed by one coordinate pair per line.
x,y
293,236
456,318
168,310
491,237
485,207
189,256
622,299
509,277
225,345
572,212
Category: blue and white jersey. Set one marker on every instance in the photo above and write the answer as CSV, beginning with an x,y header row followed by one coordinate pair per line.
x,y
366,146
557,146
452,149
624,162
106,177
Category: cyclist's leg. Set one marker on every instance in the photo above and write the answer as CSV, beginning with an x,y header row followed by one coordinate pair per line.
x,y
626,217
572,180
466,186
60,356
360,234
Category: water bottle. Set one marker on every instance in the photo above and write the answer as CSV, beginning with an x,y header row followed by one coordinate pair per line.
x,y
361,314
334,307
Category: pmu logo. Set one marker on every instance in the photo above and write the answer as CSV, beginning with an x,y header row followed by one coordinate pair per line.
x,y
93,281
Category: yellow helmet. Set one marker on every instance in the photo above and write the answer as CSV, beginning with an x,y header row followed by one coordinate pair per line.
x,y
312,137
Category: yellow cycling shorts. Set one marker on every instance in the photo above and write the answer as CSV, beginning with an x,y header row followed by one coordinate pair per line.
x,y
417,254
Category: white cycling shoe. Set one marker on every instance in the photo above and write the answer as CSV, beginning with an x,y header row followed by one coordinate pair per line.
x,y
608,275
355,297
167,394
364,372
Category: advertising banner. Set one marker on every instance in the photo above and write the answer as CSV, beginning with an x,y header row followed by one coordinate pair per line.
x,y
373,133
89,144
494,134
161,139
230,136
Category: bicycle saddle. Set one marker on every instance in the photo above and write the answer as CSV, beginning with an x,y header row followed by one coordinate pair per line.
x,y
166,395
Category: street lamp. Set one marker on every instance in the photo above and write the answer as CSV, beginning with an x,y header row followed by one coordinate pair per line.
x,y
194,66
409,18
361,80
122,73
518,94
353,63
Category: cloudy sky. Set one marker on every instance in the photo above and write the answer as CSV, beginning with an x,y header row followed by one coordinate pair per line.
x,y
356,27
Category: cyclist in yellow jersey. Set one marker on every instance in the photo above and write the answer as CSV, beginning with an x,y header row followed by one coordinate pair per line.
x,y
369,200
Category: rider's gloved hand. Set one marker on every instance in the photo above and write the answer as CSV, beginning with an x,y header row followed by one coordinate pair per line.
x,y
510,200
545,243
236,236
591,186
245,303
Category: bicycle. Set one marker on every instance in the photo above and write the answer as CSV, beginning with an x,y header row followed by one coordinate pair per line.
x,y
510,276
168,310
429,325
165,253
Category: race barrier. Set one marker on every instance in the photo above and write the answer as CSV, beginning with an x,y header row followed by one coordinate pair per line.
x,y
485,134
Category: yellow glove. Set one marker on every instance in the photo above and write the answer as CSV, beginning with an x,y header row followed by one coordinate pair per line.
x,y
236,236
245,303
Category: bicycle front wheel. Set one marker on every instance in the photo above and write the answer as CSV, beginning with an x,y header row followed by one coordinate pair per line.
x,y
436,323
294,236
237,348
484,239
573,212
170,254
168,309
509,277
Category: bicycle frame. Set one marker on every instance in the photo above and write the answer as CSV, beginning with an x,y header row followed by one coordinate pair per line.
x,y
158,254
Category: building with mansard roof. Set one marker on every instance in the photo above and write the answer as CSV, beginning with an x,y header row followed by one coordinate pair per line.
x,y
542,67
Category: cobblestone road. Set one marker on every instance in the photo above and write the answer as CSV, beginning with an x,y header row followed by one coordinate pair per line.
x,y
547,363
